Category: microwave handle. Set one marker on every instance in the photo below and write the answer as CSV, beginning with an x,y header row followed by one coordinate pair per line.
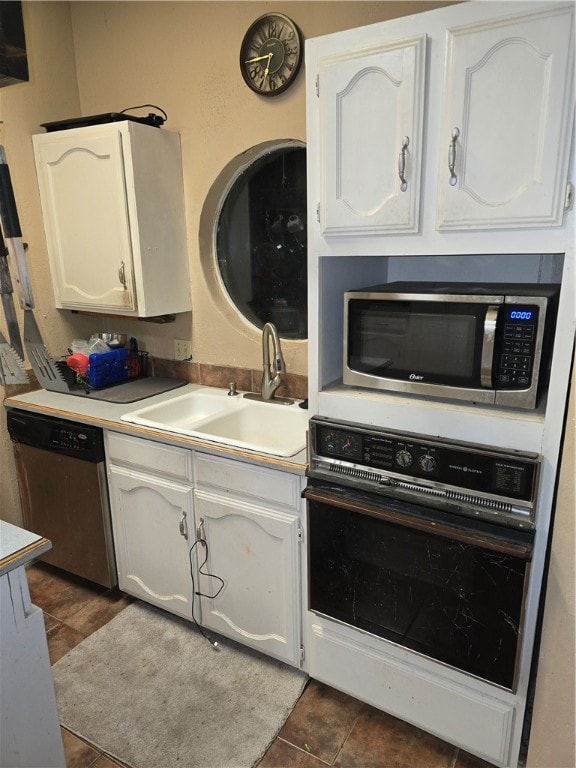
x,y
487,359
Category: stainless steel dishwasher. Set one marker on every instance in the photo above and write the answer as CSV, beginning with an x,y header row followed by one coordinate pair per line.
x,y
64,493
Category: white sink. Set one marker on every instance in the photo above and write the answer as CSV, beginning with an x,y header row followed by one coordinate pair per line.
x,y
179,414
210,414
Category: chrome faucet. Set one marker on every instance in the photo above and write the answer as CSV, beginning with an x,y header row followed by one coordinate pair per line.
x,y
271,375
272,370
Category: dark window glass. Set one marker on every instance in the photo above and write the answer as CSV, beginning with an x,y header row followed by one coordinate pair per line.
x,y
261,241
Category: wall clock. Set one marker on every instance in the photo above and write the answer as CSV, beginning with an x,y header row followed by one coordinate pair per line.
x,y
271,54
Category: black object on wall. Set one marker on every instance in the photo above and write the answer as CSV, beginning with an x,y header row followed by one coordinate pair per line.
x,y
13,58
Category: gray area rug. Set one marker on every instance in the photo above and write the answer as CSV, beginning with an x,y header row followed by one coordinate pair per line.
x,y
148,689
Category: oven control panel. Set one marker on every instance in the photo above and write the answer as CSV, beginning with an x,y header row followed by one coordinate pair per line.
x,y
381,460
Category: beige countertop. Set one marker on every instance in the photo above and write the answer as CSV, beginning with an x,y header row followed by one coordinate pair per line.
x,y
109,416
18,546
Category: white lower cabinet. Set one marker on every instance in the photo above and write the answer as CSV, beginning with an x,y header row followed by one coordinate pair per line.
x,y
152,506
254,551
150,520
249,525
464,711
192,526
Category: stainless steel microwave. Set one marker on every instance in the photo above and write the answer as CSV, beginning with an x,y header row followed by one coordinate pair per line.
x,y
485,343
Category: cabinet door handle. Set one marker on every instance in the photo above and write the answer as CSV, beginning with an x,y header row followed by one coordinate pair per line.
x,y
452,156
402,164
184,526
200,532
122,275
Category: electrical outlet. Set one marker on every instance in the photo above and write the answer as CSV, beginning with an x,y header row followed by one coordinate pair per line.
x,y
182,349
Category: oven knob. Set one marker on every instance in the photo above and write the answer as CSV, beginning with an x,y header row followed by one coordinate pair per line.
x,y
427,463
404,458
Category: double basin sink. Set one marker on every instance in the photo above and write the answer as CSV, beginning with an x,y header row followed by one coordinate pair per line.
x,y
211,414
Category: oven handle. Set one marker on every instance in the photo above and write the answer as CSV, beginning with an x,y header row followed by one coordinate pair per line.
x,y
512,548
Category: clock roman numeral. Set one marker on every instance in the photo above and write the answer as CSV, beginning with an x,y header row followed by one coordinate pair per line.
x,y
274,30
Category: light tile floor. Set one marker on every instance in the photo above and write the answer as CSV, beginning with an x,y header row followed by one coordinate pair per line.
x,y
326,727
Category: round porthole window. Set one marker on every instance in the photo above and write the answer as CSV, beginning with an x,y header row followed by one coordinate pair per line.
x,y
260,238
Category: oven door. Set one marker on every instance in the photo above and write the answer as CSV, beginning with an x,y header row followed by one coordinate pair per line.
x,y
439,584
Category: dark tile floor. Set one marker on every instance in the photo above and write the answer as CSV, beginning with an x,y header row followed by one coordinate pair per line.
x,y
326,727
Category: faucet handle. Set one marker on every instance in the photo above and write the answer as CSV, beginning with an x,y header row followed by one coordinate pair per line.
x,y
232,389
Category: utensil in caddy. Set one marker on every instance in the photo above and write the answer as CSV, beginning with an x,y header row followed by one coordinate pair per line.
x,y
43,365
11,365
11,354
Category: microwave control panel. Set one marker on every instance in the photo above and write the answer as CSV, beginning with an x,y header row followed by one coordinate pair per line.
x,y
518,333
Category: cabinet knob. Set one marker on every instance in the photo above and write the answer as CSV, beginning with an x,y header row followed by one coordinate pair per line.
x,y
452,156
184,526
402,164
200,532
122,275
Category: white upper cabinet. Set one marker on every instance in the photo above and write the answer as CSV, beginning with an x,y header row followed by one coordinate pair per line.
x,y
428,128
506,121
371,107
113,207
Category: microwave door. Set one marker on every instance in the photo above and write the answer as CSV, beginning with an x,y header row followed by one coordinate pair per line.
x,y
437,348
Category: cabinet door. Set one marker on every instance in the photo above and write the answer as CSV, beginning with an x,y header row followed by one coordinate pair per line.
x,y
83,193
150,519
371,116
255,553
506,123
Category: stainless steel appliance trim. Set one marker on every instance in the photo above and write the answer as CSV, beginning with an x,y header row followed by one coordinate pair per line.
x,y
460,298
487,359
445,392
526,398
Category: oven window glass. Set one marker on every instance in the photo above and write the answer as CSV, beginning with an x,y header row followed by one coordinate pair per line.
x,y
437,340
457,603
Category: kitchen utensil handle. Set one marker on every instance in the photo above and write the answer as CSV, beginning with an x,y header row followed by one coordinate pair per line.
x,y
8,210
402,164
452,156
13,233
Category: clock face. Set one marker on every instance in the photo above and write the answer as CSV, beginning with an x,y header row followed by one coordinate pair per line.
x,y
271,54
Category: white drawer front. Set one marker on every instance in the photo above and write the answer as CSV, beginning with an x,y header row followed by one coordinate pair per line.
x,y
149,455
247,479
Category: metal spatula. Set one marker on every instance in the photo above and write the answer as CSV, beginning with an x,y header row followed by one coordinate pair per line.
x,y
11,365
44,367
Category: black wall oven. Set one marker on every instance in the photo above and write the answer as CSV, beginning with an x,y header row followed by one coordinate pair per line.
x,y
396,551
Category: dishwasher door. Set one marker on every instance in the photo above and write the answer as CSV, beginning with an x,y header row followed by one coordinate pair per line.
x,y
65,497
